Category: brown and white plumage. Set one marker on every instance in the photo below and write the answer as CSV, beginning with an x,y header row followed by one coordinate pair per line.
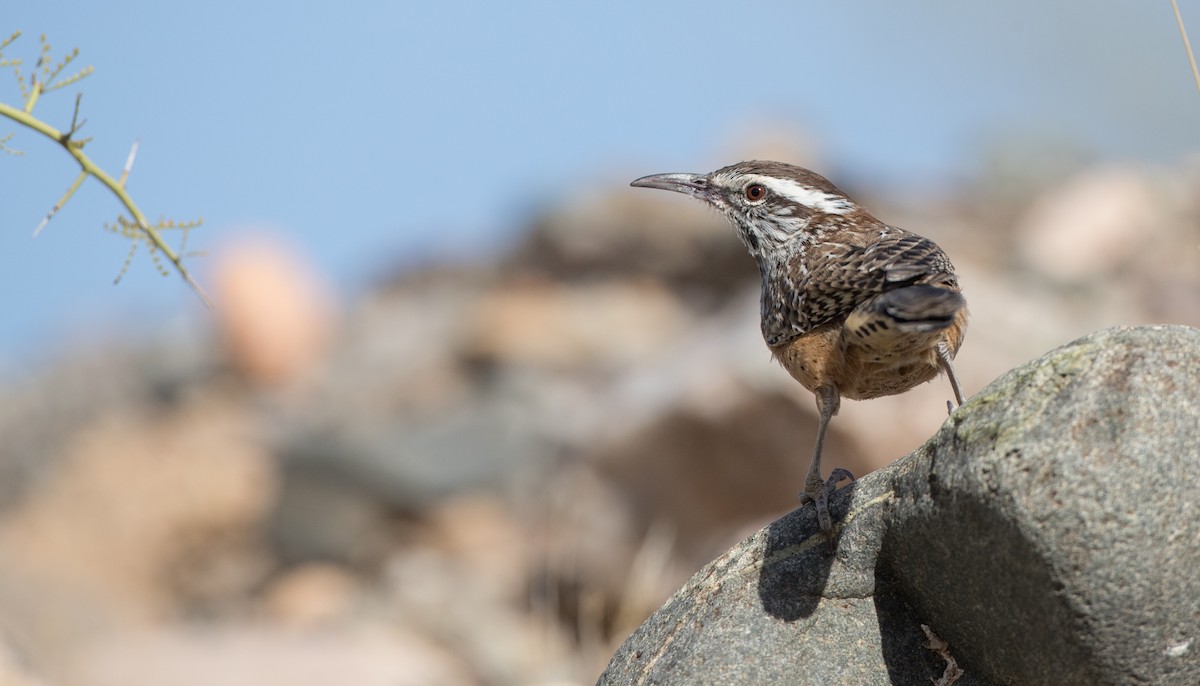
x,y
850,305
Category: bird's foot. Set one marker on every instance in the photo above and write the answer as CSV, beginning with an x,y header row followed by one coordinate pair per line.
x,y
817,491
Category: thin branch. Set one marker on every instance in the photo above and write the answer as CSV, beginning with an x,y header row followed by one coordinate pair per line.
x,y
4,146
1187,45
61,201
89,167
129,163
53,73
9,41
34,93
75,123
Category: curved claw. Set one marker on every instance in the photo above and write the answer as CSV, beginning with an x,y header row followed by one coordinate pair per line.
x,y
817,492
837,476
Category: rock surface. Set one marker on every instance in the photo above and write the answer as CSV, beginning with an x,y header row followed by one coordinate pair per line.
x,y
1050,533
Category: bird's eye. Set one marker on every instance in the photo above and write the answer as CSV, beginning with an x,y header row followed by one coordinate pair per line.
x,y
756,192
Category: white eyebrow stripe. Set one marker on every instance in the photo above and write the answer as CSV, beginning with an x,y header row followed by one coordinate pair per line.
x,y
809,197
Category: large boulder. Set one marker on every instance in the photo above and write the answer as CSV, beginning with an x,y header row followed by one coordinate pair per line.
x,y
1048,534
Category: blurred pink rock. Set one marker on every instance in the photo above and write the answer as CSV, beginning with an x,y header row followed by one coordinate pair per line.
x,y
273,309
313,594
1094,225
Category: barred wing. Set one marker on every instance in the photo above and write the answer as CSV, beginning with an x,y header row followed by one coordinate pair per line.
x,y
839,277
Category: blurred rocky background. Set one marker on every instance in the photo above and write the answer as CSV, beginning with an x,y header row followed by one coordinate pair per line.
x,y
491,471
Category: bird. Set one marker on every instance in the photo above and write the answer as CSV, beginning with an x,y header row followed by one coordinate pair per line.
x,y
850,305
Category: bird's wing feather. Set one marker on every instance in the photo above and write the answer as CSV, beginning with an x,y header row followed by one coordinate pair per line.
x,y
904,259
840,277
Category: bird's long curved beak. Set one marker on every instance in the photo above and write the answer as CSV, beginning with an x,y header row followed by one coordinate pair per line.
x,y
689,184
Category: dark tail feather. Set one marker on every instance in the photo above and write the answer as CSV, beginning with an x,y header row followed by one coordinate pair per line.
x,y
919,308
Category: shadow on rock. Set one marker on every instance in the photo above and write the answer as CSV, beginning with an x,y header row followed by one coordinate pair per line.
x,y
996,602
797,561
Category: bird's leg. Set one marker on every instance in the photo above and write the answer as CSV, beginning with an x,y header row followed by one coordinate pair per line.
x,y
816,489
947,365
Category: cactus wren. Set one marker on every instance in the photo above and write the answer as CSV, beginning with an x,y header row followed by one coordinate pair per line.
x,y
850,306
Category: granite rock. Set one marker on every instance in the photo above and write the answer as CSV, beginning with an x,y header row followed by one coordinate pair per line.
x,y
1049,533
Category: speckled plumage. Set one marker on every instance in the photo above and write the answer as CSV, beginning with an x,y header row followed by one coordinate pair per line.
x,y
850,305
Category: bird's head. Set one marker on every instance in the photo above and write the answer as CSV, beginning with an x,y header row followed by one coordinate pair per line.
x,y
771,204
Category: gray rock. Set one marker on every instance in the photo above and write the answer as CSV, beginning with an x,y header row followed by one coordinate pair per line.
x,y
1050,533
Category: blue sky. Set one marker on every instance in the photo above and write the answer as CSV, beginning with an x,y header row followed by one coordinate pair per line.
x,y
375,133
